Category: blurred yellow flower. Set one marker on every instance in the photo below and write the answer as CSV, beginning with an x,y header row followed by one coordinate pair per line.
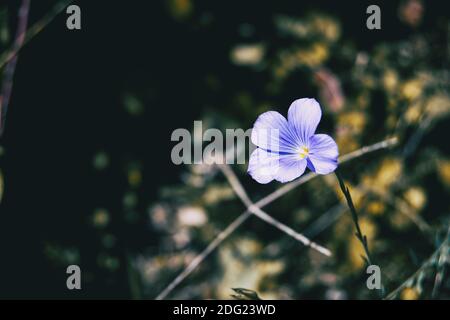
x,y
313,56
388,172
368,228
321,26
346,142
438,105
390,80
409,294
416,197
350,126
180,9
412,89
354,120
443,169
376,208
247,54
326,26
413,113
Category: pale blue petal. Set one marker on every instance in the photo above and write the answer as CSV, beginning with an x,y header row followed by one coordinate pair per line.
x,y
263,165
323,154
291,167
303,117
271,132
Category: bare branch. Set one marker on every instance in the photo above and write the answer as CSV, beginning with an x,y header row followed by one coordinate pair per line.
x,y
242,194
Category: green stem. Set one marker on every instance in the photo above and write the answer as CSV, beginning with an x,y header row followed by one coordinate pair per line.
x,y
362,238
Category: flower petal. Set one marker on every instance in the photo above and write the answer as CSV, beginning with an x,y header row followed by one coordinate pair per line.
x,y
303,117
263,165
323,154
271,132
290,168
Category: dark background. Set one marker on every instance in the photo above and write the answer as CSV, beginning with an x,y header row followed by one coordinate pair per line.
x,y
67,103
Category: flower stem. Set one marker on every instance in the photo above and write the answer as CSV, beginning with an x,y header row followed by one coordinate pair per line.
x,y
362,238
359,235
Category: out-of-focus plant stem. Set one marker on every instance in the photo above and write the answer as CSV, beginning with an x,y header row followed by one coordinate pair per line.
x,y
8,75
33,31
133,278
443,249
8,59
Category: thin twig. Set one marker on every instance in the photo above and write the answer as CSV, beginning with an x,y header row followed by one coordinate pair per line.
x,y
242,194
442,259
8,76
325,220
405,209
413,142
210,248
390,142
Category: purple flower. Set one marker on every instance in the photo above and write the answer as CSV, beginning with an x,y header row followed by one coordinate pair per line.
x,y
287,147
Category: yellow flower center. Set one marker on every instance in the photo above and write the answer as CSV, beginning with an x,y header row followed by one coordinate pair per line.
x,y
303,152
